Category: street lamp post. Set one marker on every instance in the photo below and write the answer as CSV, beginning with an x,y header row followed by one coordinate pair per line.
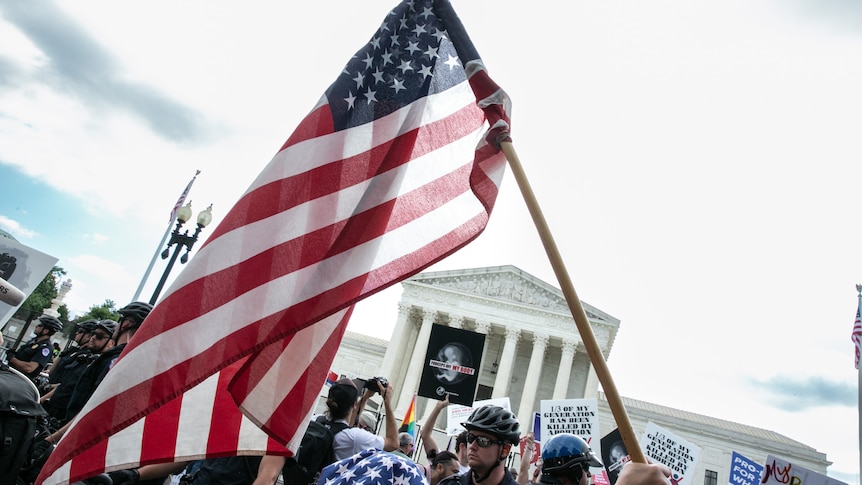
x,y
180,240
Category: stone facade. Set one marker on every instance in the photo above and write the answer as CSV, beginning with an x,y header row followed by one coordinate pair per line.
x,y
533,351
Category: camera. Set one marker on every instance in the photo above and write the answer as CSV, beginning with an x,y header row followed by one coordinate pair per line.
x,y
371,384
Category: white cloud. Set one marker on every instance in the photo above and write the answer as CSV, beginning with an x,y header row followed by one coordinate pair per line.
x,y
96,237
15,228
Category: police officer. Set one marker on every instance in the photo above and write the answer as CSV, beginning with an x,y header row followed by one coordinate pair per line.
x,y
35,354
83,330
74,366
131,318
566,460
491,432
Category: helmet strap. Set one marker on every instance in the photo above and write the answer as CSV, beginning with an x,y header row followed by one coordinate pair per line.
x,y
497,463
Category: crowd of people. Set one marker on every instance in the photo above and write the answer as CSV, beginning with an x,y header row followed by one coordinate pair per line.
x,y
479,456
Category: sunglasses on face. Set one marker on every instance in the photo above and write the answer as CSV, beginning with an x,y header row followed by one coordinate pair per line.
x,y
482,441
99,336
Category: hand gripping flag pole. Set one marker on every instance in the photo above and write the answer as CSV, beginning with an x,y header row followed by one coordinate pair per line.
x,y
590,343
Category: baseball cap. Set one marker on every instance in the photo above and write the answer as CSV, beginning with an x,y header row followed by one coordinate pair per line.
x,y
344,393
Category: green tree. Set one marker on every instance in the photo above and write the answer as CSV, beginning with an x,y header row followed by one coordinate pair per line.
x,y
105,311
45,291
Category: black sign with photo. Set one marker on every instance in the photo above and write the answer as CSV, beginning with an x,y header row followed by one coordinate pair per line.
x,y
452,364
614,454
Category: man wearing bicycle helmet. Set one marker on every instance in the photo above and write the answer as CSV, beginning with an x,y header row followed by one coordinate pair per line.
x,y
35,354
72,367
131,318
491,432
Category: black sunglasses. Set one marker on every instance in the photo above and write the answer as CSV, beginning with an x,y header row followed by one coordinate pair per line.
x,y
482,441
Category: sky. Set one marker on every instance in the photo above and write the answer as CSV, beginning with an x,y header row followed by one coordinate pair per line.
x,y
697,163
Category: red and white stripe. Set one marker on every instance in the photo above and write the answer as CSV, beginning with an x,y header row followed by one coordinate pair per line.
x,y
333,218
182,197
856,336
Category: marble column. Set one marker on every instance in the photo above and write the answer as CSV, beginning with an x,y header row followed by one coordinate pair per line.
x,y
484,327
531,382
564,372
397,346
507,363
417,362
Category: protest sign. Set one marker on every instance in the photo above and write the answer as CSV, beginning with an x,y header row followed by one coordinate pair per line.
x,y
781,472
680,455
452,364
577,416
744,471
455,415
614,455
24,268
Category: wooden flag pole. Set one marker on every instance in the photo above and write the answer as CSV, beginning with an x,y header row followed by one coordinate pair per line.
x,y
593,350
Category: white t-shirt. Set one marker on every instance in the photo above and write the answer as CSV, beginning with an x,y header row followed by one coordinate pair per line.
x,y
353,440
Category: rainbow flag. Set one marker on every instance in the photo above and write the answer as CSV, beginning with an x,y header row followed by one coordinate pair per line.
x,y
408,424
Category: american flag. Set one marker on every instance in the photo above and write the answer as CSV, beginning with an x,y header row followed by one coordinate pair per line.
x,y
395,168
856,336
373,467
183,196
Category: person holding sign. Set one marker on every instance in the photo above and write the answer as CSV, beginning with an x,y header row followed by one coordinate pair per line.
x,y
634,473
567,460
491,432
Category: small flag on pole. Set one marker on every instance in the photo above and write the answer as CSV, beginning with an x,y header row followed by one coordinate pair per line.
x,y
408,424
331,378
856,337
183,196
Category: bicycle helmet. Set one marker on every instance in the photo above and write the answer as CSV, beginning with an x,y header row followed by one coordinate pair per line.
x,y
107,325
496,421
51,323
564,451
86,325
137,311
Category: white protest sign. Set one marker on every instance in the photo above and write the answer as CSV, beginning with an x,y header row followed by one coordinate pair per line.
x,y
457,414
22,268
777,471
577,416
679,454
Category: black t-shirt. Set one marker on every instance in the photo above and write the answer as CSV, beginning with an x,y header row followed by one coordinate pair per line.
x,y
466,479
231,470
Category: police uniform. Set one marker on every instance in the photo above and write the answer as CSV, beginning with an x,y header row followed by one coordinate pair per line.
x,y
70,370
467,479
90,379
39,352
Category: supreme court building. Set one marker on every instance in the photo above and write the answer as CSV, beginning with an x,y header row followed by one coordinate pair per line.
x,y
533,351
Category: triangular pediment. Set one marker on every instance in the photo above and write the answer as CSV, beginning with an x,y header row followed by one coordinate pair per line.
x,y
504,283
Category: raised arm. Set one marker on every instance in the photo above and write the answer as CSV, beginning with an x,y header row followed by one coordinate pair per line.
x,y
427,432
390,441
524,469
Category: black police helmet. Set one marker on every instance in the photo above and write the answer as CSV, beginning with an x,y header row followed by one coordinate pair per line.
x,y
137,310
564,451
107,325
51,323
